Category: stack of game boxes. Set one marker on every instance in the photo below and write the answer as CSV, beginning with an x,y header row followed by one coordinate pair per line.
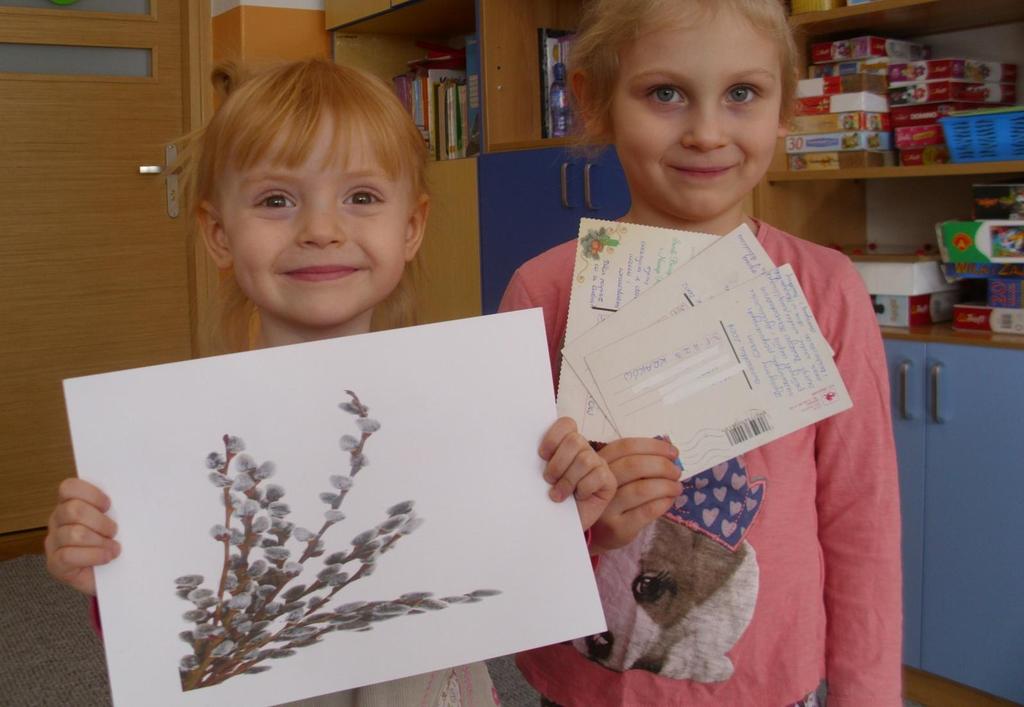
x,y
990,247
921,92
909,291
841,119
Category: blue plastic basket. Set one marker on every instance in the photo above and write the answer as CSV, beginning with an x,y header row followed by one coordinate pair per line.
x,y
985,136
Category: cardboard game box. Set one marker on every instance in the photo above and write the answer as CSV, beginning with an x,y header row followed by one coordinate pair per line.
x,y
979,317
981,241
999,201
914,310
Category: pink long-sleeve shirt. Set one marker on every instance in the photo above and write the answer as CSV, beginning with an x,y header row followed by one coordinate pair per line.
x,y
801,578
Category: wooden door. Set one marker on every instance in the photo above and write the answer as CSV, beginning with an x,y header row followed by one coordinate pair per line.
x,y
96,275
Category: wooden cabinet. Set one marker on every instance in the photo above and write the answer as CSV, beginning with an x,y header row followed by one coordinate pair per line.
x,y
340,13
956,422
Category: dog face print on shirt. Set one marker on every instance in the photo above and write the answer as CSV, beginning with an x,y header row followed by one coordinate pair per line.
x,y
679,596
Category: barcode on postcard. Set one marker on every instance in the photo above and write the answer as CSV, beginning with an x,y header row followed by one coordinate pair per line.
x,y
746,429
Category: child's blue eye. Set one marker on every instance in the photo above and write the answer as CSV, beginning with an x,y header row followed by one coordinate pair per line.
x,y
276,201
665,94
741,94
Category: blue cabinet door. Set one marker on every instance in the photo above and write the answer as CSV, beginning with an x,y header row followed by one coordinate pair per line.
x,y
522,211
906,360
973,601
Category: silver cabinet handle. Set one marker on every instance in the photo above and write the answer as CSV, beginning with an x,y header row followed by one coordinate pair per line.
x,y
150,169
586,187
936,376
904,382
565,185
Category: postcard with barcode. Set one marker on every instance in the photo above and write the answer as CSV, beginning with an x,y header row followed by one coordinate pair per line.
x,y
734,259
615,262
740,370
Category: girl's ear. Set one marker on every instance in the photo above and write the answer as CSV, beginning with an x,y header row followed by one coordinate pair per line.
x,y
417,227
214,237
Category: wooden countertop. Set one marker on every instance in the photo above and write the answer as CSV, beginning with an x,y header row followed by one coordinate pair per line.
x,y
945,334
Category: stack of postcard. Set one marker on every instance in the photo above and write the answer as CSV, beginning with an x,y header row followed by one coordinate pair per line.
x,y
697,338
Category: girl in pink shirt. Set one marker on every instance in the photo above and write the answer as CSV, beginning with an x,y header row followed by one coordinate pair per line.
x,y
750,582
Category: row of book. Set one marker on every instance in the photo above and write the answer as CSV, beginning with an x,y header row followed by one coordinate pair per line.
x,y
442,94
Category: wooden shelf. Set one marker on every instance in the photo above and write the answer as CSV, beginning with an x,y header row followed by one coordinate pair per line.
x,y
908,17
419,18
945,334
892,258
938,170
533,144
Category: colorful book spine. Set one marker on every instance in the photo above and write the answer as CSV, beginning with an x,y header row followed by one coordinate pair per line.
x,y
473,123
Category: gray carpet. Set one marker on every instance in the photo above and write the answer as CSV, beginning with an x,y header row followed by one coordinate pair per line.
x,y
50,654
50,657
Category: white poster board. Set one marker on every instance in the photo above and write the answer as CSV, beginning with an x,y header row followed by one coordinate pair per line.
x,y
461,407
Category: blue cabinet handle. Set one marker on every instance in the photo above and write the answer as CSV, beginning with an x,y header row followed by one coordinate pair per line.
x,y
904,382
565,185
936,385
586,187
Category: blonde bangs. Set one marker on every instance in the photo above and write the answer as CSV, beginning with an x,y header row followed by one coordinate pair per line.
x,y
276,116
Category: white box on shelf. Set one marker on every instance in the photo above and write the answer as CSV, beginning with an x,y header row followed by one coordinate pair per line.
x,y
919,277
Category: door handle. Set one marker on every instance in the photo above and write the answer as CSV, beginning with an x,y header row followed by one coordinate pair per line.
x,y
170,155
904,382
936,376
565,186
587,199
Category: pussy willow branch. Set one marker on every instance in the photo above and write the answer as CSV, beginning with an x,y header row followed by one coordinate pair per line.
x,y
223,471
240,664
311,545
361,411
244,625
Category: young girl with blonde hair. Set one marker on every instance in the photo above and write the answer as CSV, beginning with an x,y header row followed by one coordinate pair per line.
x,y
752,581
309,192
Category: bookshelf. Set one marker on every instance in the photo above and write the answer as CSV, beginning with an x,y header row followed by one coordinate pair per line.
x,y
938,170
508,45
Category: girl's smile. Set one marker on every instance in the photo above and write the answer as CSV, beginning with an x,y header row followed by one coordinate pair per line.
x,y
319,273
702,172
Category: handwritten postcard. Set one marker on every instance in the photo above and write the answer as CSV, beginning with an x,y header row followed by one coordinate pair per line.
x,y
305,519
720,379
615,263
732,260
